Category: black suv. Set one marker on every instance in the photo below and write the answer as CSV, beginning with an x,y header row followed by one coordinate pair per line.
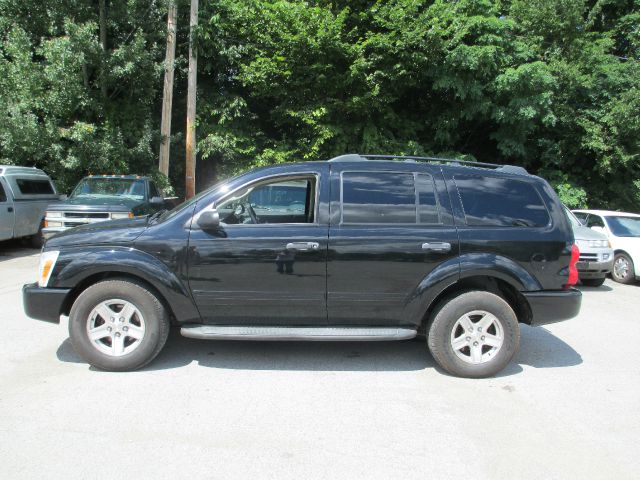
x,y
355,248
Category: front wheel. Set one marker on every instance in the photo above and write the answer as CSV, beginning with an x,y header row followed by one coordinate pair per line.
x,y
623,270
474,335
118,325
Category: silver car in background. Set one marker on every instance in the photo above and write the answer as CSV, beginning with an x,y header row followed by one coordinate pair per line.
x,y
596,254
24,195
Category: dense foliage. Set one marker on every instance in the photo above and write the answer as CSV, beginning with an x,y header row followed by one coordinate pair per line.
x,y
553,85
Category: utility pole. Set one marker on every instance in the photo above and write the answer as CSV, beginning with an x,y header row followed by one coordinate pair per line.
x,y
103,44
190,165
167,94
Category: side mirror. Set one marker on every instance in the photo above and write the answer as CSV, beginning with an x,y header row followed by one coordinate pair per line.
x,y
157,201
209,219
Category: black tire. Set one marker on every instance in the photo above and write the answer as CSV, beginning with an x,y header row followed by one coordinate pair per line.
x,y
37,240
593,282
618,274
155,321
445,319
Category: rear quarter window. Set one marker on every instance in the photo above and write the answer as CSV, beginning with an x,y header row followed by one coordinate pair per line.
x,y
500,202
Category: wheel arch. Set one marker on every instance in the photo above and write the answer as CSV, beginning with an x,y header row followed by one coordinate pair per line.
x,y
487,283
113,275
78,272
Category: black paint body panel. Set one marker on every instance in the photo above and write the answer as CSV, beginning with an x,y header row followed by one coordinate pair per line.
x,y
43,303
360,275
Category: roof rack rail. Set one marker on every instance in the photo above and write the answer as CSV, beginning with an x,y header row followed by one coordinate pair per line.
x,y
356,157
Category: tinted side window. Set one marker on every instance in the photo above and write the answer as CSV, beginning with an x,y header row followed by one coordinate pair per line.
x,y
153,191
378,197
428,211
3,196
595,221
491,201
581,216
34,187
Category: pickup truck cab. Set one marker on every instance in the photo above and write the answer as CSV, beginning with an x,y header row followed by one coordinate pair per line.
x,y
356,248
24,195
98,198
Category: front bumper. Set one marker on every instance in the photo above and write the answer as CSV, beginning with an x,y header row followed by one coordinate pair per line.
x,y
587,269
554,305
43,303
49,232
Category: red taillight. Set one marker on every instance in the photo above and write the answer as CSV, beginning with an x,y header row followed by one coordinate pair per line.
x,y
573,270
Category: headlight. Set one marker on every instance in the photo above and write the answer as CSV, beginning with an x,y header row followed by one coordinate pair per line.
x,y
47,262
54,214
121,215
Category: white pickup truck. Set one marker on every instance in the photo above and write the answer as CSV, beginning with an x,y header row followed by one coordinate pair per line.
x,y
24,195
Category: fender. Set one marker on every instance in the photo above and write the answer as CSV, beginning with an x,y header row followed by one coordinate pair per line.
x,y
465,266
74,267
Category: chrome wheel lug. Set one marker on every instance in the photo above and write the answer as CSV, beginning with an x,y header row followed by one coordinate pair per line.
x,y
112,319
109,329
482,337
475,344
127,328
117,334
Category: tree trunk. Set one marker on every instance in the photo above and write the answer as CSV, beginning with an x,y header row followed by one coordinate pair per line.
x,y
190,166
167,95
103,44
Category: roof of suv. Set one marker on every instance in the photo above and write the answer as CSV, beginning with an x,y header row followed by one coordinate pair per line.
x,y
609,213
357,157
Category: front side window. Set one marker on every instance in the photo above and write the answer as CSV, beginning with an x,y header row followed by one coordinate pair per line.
x,y
624,226
595,221
500,202
34,187
3,196
581,216
279,201
153,191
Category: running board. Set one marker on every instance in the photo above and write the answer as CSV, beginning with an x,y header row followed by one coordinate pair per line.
x,y
328,334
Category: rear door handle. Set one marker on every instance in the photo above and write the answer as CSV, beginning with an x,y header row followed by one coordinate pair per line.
x,y
303,246
437,246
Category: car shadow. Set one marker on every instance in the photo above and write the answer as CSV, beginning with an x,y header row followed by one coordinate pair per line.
x,y
538,348
601,288
10,249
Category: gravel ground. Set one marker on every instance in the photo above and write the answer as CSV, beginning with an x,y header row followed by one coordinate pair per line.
x,y
568,406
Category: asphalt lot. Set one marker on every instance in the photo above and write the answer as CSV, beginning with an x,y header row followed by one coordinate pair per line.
x,y
567,407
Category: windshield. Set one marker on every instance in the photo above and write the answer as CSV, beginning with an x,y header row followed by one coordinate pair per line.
x,y
174,211
109,187
572,218
624,226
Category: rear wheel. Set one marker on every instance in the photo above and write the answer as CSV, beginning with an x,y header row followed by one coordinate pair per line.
x,y
474,335
593,282
623,270
118,325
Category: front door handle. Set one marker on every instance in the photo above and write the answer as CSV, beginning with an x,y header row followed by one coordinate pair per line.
x,y
9,209
437,246
303,246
